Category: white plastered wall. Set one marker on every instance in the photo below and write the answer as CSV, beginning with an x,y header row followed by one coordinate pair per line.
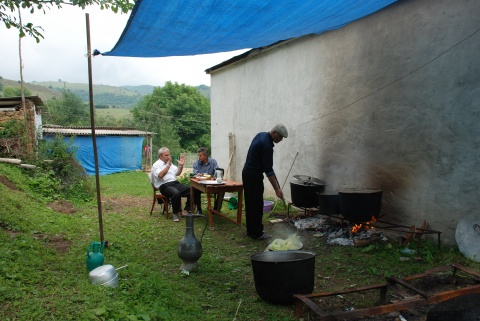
x,y
391,101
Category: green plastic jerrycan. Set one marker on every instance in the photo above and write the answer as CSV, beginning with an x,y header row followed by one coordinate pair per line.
x,y
95,255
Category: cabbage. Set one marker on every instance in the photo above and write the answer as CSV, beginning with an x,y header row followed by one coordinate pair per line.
x,y
291,243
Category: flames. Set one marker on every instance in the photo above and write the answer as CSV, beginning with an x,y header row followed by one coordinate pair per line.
x,y
365,226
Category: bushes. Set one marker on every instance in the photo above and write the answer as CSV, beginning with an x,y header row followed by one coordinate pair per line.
x,y
12,138
58,174
11,129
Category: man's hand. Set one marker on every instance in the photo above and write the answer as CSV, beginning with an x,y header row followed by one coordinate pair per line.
x,y
181,160
279,193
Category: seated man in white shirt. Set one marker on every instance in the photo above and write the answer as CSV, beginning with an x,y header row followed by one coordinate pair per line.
x,y
164,175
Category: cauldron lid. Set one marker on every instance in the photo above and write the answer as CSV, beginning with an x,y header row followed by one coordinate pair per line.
x,y
308,180
467,235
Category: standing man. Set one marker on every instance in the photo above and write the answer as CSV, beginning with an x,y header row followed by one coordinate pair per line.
x,y
203,165
259,161
164,175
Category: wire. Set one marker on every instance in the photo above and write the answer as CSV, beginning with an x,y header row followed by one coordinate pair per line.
x,y
395,81
56,114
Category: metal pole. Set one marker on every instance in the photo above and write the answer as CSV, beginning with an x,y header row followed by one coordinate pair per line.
x,y
92,122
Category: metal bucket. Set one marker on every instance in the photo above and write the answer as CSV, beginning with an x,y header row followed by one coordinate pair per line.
x,y
328,204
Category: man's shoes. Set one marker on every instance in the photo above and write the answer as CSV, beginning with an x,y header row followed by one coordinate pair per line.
x,y
175,218
264,236
199,211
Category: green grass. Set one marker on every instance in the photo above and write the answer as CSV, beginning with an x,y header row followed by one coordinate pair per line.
x,y
39,282
114,113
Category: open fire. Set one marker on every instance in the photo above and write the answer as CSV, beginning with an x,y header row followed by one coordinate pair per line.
x,y
357,227
340,233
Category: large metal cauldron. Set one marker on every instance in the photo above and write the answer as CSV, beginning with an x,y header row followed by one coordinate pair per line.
x,y
359,205
328,204
304,190
279,275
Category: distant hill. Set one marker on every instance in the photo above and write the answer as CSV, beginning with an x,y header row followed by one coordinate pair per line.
x,y
142,90
36,90
204,90
119,97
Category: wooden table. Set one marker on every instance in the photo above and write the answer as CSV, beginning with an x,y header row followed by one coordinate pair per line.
x,y
220,189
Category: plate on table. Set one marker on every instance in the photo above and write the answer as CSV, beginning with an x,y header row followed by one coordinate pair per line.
x,y
208,182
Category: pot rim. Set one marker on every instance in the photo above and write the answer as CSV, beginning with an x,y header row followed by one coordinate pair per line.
x,y
359,190
281,256
112,282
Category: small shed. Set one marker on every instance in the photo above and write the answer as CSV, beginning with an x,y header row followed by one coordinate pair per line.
x,y
119,149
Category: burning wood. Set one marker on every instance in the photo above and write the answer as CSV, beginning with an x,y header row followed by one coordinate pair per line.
x,y
340,233
357,227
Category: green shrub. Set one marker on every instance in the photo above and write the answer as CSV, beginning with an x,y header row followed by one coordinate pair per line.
x,y
46,184
59,175
11,129
184,179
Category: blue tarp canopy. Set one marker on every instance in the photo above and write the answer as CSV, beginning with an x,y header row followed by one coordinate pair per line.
x,y
192,27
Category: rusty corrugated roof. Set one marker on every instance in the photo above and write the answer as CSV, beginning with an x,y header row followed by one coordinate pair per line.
x,y
99,131
13,101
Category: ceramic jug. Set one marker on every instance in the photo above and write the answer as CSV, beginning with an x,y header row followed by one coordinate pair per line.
x,y
95,255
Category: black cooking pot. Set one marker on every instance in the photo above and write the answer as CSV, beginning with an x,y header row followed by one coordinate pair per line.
x,y
359,205
328,204
279,275
304,190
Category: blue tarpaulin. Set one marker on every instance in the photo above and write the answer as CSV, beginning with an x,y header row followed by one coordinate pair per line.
x,y
192,27
115,153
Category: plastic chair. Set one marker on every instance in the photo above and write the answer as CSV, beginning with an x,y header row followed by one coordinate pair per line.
x,y
158,198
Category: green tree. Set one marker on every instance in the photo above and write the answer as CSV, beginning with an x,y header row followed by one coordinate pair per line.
x,y
9,10
15,92
179,114
70,110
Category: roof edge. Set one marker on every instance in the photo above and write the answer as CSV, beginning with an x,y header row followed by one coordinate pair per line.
x,y
247,55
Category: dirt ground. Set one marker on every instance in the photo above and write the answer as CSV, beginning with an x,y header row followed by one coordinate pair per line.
x,y
7,183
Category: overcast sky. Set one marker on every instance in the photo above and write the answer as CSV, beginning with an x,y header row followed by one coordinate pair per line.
x,y
62,54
